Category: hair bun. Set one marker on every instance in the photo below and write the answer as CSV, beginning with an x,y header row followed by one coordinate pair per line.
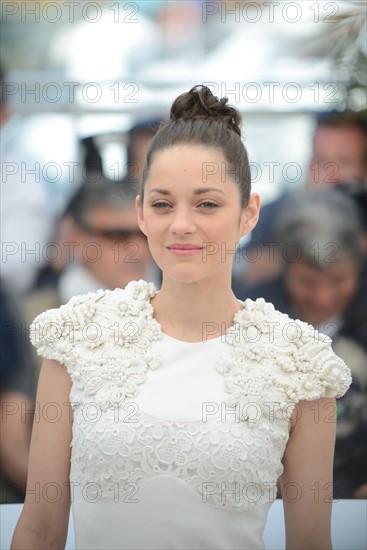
x,y
201,103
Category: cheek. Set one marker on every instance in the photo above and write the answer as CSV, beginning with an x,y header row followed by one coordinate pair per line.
x,y
303,291
143,249
297,287
154,244
226,228
82,243
109,256
347,288
152,224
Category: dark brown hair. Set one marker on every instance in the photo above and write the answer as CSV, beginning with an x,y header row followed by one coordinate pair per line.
x,y
200,118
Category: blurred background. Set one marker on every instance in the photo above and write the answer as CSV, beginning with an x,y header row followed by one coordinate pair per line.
x,y
84,88
76,69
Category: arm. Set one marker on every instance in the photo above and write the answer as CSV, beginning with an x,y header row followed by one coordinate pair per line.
x,y
15,421
44,519
306,482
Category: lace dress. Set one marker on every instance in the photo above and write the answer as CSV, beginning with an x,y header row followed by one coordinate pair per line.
x,y
179,445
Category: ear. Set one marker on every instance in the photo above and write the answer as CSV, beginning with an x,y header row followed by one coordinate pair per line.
x,y
250,214
140,213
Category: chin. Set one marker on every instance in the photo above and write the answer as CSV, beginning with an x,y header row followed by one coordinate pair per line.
x,y
190,274
185,274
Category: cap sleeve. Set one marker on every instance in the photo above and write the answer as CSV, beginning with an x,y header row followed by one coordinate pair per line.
x,y
319,371
275,362
55,332
104,339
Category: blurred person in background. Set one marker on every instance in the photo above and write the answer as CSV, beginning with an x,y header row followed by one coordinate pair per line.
x,y
26,218
339,149
111,250
139,137
104,246
137,140
18,375
323,282
339,159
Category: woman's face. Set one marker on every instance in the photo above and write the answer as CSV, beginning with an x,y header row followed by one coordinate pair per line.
x,y
192,213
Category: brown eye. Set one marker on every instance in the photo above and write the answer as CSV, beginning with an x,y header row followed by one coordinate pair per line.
x,y
208,204
160,205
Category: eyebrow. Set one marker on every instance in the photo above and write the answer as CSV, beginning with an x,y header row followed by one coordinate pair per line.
x,y
199,191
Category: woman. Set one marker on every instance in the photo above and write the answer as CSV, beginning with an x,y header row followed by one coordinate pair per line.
x,y
183,407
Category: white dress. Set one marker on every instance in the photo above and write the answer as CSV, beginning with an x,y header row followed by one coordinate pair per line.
x,y
179,445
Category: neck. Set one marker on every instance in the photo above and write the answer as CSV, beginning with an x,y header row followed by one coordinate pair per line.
x,y
195,311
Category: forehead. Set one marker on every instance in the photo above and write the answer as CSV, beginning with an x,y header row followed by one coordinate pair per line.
x,y
345,265
348,139
194,165
113,216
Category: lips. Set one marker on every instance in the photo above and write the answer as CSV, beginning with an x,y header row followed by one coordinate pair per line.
x,y
184,249
179,246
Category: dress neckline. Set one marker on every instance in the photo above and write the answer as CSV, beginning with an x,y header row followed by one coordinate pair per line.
x,y
221,338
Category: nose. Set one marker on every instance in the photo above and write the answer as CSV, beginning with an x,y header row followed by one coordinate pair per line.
x,y
183,221
324,298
